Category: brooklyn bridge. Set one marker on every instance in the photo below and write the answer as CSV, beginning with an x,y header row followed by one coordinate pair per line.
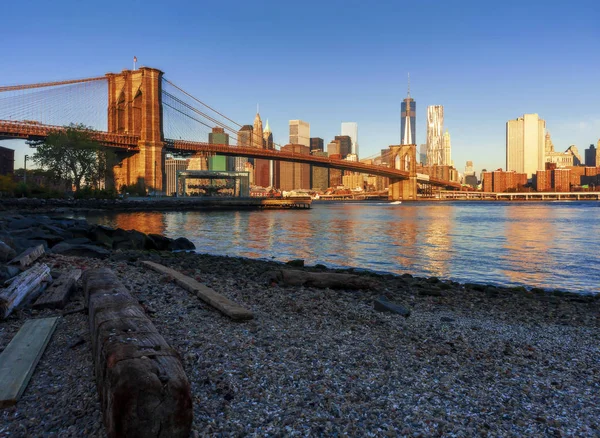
x,y
142,115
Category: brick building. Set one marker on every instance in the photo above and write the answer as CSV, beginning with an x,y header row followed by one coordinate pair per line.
x,y
294,176
7,161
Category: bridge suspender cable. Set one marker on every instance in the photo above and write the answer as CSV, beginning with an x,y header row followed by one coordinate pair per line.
x,y
50,84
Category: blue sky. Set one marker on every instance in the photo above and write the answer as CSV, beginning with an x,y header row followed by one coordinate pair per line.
x,y
331,61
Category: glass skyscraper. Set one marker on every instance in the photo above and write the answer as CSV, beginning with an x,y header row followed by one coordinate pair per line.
x,y
351,130
408,122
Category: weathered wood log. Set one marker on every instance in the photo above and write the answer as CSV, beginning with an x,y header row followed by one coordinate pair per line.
x,y
23,287
322,280
59,292
28,256
142,384
205,293
19,359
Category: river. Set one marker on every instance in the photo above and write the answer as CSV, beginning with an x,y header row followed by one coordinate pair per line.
x,y
550,245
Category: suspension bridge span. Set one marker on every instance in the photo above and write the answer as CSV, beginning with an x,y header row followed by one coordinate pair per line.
x,y
142,115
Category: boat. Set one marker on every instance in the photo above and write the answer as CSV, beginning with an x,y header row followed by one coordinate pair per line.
x,y
396,203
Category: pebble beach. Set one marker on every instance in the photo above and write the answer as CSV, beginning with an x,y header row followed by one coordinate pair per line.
x,y
469,360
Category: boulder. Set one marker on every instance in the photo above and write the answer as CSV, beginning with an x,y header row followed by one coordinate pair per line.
x,y
79,241
161,243
323,280
128,239
81,250
297,263
6,252
181,244
102,235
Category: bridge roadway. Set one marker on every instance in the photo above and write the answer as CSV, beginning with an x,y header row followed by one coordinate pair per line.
x,y
34,130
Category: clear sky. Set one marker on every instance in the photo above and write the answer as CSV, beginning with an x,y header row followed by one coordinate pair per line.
x,y
330,61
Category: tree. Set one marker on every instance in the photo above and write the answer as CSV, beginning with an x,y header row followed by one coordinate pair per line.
x,y
73,155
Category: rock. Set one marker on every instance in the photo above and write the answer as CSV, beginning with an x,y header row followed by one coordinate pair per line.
x,y
431,292
21,224
8,272
161,243
102,235
21,244
81,250
297,263
446,319
181,244
324,280
128,239
381,304
78,241
6,252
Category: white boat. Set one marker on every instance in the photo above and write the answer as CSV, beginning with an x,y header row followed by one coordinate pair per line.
x,y
396,203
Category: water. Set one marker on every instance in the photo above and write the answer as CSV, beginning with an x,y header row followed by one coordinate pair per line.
x,y
550,245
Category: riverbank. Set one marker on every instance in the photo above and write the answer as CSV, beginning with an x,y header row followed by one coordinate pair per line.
x,y
469,360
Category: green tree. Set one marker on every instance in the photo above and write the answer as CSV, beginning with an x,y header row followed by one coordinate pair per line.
x,y
73,155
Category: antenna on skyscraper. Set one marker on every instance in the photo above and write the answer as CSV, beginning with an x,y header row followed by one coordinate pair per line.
x,y
408,94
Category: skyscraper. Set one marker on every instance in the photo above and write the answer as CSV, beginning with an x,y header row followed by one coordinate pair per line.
x,y
345,145
257,133
219,162
244,140
408,119
351,130
435,130
300,132
592,155
525,144
316,144
262,168
446,150
294,176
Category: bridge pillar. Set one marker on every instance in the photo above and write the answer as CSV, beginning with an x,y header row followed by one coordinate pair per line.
x,y
404,157
135,108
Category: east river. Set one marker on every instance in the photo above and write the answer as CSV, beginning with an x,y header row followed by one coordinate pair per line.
x,y
550,245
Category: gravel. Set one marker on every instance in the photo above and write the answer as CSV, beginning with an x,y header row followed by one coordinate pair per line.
x,y
469,360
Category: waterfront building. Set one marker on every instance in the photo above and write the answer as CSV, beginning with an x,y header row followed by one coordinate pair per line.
x,y
525,144
561,180
319,175
378,183
7,161
351,130
486,181
316,144
219,162
244,139
408,123
335,178
345,145
354,181
294,176
500,181
300,132
542,181
435,127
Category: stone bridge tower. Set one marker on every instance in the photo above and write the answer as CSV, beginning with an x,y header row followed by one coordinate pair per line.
x,y
135,107
404,157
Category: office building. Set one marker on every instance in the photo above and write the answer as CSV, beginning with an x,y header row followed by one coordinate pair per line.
x,y
7,161
333,149
294,176
423,154
592,155
525,144
300,132
262,168
435,132
345,145
408,119
319,175
316,144
219,162
244,139
351,130
573,151
172,166
446,150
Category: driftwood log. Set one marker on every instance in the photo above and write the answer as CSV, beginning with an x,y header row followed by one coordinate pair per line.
x,y
28,256
143,389
24,288
59,292
321,280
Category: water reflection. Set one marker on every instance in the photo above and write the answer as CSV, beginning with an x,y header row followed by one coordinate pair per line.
x,y
545,245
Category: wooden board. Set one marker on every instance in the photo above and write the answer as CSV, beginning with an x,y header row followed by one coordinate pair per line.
x,y
59,292
205,293
19,359
28,256
24,287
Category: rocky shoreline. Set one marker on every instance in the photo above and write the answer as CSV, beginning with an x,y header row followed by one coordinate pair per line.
x,y
468,360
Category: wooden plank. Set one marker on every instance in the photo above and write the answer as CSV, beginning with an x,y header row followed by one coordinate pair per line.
x,y
20,357
205,293
23,287
28,256
59,292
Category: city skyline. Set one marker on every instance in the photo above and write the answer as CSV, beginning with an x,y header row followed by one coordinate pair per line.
x,y
491,74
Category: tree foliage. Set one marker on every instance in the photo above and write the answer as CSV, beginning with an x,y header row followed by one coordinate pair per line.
x,y
73,155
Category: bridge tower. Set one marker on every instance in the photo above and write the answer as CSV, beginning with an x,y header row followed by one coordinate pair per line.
x,y
135,107
404,157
